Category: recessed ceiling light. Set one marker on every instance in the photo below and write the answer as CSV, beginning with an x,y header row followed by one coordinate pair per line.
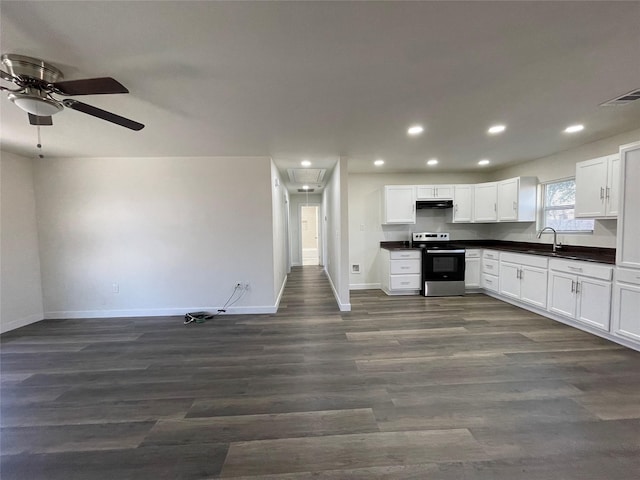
x,y
305,187
574,128
415,130
483,162
378,162
497,129
433,161
305,163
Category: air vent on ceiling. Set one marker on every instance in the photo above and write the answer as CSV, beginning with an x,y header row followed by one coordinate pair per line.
x,y
306,175
623,99
308,190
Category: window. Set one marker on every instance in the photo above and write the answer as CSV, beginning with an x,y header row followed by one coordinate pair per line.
x,y
558,209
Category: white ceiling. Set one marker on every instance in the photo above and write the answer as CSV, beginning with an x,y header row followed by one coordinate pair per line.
x,y
324,80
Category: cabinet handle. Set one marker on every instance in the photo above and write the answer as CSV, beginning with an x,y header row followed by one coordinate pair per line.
x,y
521,274
495,207
404,283
515,206
601,193
577,287
488,281
607,193
573,286
575,269
404,268
490,267
456,209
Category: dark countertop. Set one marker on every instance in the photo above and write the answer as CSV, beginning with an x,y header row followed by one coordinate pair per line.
x,y
567,252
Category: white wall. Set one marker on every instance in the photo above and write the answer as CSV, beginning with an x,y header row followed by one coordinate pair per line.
x,y
297,200
336,228
279,206
555,167
175,234
365,222
20,282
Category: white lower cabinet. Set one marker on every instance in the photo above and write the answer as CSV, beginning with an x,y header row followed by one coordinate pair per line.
x,y
472,268
524,278
401,271
581,291
626,304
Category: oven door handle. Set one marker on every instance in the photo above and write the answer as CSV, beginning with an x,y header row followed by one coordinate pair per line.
x,y
446,251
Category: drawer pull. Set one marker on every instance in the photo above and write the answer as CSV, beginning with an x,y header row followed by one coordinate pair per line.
x,y
404,283
575,269
489,281
404,268
490,267
573,286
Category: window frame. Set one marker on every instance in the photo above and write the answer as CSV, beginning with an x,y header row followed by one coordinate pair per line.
x,y
544,208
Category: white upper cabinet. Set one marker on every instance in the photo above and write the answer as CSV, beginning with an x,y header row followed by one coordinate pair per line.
x,y
597,183
628,246
517,199
485,202
398,204
462,203
434,192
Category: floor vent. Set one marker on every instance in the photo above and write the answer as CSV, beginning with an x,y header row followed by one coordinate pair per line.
x,y
623,99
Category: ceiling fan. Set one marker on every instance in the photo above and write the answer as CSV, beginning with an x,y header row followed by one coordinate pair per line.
x,y
37,82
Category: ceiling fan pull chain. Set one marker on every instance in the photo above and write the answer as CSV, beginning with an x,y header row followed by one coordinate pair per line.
x,y
39,144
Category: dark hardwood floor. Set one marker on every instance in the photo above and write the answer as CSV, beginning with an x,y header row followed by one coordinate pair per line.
x,y
399,388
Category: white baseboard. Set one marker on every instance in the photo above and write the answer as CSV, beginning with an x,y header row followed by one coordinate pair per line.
x,y
344,307
284,283
21,322
158,312
365,286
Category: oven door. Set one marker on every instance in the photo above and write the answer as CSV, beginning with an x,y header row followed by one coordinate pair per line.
x,y
443,265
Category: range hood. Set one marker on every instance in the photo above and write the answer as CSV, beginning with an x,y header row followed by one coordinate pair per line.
x,y
420,204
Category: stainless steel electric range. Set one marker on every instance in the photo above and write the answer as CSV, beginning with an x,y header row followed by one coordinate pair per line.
x,y
442,265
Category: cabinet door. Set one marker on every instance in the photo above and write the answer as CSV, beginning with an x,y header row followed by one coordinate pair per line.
x,y
626,305
591,187
628,247
533,286
443,192
472,272
508,200
425,192
562,296
510,280
399,204
613,186
463,203
594,302
485,202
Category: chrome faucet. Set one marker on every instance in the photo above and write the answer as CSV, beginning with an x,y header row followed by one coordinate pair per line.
x,y
556,245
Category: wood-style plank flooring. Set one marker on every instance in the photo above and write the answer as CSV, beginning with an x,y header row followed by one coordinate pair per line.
x,y
399,388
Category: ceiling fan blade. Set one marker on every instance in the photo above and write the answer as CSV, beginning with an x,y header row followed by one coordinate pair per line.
x,y
90,86
38,120
103,114
6,76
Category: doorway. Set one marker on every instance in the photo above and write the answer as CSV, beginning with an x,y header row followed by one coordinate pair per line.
x,y
309,234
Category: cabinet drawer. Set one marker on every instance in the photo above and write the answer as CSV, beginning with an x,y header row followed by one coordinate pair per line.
x,y
490,282
585,269
530,260
405,254
472,253
405,282
491,267
404,266
628,276
491,254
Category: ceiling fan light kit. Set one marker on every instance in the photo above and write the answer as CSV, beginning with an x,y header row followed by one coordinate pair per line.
x,y
37,82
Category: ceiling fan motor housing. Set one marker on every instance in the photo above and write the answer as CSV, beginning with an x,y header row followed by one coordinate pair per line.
x,y
23,66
